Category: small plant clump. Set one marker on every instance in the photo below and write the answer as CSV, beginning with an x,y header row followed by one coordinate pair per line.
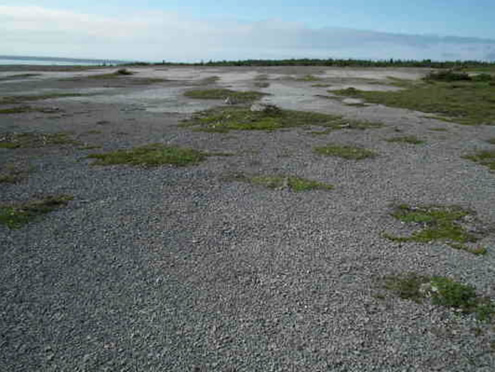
x,y
486,158
447,75
412,140
441,291
344,151
12,173
450,224
10,100
293,183
235,96
150,156
14,216
267,117
30,140
309,78
124,71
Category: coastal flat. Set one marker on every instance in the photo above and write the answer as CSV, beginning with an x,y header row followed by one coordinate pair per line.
x,y
203,268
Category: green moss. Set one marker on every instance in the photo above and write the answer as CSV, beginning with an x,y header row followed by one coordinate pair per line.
x,y
486,158
150,156
29,140
442,291
309,78
413,140
224,119
463,102
442,223
10,100
319,85
235,96
293,183
346,152
17,215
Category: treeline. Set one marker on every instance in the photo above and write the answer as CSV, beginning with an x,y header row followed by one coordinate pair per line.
x,y
335,62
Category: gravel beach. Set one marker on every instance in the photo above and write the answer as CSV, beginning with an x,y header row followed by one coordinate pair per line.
x,y
183,269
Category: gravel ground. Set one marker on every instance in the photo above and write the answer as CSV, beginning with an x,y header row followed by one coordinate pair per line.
x,y
175,269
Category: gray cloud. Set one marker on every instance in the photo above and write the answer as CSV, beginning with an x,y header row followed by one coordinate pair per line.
x,y
170,36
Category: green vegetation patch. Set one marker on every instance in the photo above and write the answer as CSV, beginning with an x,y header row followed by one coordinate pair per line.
x,y
261,84
309,78
151,156
451,224
486,158
235,96
293,183
268,117
412,140
491,141
441,291
17,215
18,77
12,173
30,140
463,102
345,151
10,100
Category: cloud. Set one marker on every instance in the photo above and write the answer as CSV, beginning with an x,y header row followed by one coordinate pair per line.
x,y
29,30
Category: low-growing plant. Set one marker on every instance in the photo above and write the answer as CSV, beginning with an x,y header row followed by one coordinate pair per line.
x,y
12,173
491,141
16,215
412,140
293,183
345,151
235,96
485,157
309,78
268,117
443,223
442,291
19,99
261,84
29,140
150,156
447,75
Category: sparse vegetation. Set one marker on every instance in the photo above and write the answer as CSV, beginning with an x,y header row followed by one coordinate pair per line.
x,y
17,215
412,140
12,173
463,102
344,151
321,85
261,84
27,140
309,78
124,71
438,129
18,77
26,109
451,224
235,96
10,100
293,183
150,156
442,291
224,119
485,157
447,75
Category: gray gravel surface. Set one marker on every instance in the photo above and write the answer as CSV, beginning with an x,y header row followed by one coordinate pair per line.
x,y
176,269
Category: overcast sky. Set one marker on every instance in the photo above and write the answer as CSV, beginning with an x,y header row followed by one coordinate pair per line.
x,y
182,30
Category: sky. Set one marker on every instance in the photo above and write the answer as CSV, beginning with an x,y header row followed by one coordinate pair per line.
x,y
182,30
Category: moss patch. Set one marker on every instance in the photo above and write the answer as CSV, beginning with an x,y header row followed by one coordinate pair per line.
x,y
486,158
17,215
150,156
412,140
235,96
12,173
464,102
309,78
30,140
224,119
344,151
451,224
442,291
293,183
9,100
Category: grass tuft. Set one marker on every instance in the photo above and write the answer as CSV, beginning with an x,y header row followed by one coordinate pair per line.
x,y
293,183
150,156
10,100
14,216
235,96
346,152
413,140
442,291
486,158
30,140
450,224
463,102
224,119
